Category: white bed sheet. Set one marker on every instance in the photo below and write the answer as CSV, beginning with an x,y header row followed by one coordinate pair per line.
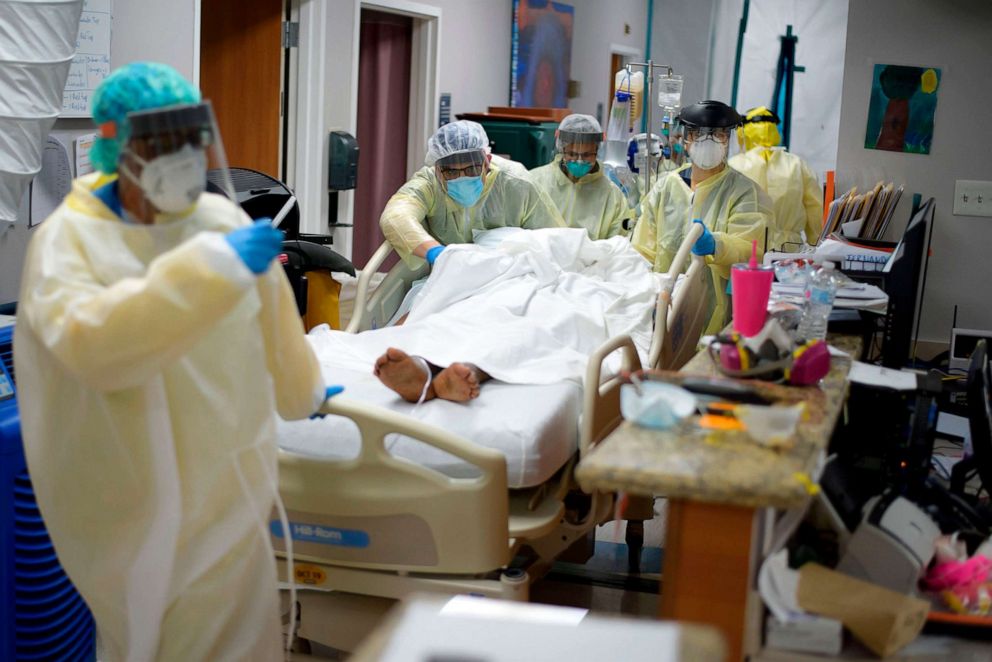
x,y
536,427
526,306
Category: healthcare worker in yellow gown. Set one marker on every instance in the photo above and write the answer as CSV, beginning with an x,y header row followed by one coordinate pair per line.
x,y
732,208
575,182
796,194
460,190
156,338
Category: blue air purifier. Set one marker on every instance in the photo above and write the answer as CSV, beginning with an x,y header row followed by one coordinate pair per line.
x,y
42,617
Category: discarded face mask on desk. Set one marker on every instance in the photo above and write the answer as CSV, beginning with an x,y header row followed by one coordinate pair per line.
x,y
656,405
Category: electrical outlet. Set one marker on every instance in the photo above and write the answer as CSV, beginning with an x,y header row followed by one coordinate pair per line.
x,y
972,198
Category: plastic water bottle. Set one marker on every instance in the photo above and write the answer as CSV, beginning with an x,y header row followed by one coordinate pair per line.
x,y
821,288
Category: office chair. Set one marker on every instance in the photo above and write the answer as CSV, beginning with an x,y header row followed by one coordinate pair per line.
x,y
306,257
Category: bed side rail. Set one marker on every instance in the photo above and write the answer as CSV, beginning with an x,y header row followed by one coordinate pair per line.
x,y
375,311
667,318
381,512
601,402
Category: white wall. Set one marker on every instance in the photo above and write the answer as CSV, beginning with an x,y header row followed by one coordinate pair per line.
x,y
954,36
598,27
821,27
681,38
159,31
142,30
475,53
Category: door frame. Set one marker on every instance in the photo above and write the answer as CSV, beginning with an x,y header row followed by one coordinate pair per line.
x,y
324,97
626,51
425,70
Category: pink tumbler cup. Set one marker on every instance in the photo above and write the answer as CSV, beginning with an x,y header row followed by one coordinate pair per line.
x,y
751,285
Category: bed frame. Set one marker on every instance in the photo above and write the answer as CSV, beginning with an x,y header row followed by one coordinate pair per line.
x,y
383,526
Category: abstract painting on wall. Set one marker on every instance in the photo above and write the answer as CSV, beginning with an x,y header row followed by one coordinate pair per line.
x,y
541,53
900,114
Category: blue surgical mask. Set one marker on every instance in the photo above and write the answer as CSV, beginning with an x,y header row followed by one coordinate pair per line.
x,y
466,191
578,169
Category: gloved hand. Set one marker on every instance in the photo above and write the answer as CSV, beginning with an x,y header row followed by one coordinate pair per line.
x,y
328,394
706,244
433,253
257,245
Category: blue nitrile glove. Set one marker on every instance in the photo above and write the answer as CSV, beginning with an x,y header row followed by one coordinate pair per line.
x,y
257,245
706,244
328,394
433,253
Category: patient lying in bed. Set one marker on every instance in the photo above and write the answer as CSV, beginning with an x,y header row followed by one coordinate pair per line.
x,y
522,307
414,379
525,308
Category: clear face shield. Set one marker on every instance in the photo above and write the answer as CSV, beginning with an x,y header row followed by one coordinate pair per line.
x,y
165,163
578,151
575,146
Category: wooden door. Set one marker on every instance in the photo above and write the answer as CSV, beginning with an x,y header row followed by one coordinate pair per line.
x,y
617,62
383,123
241,74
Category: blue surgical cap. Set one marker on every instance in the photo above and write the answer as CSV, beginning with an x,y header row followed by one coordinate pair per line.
x,y
135,86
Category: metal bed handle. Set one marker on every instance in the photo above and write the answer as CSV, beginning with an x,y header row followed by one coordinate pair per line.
x,y
665,296
593,390
361,296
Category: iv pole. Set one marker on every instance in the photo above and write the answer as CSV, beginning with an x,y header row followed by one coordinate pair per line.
x,y
648,103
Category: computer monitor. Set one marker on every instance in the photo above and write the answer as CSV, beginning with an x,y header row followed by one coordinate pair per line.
x,y
979,421
902,279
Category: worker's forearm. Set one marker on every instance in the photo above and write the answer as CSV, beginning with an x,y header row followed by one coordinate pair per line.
x,y
421,250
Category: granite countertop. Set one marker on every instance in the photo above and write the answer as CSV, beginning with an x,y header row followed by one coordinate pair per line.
x,y
724,467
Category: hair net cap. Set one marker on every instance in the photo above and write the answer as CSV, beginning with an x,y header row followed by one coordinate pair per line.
x,y
580,124
135,86
456,138
578,129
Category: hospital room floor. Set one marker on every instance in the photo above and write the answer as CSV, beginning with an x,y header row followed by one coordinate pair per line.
x,y
602,584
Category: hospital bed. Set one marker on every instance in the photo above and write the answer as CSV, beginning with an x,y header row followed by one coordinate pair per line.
x,y
377,524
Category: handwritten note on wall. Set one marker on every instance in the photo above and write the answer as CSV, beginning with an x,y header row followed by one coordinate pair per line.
x,y
92,62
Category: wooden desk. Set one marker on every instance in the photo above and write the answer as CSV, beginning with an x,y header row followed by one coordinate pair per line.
x,y
716,483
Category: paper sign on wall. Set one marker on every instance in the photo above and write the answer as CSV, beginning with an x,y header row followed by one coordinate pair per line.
x,y
92,61
84,144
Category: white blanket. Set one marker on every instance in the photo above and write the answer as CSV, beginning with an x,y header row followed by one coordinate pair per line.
x,y
526,306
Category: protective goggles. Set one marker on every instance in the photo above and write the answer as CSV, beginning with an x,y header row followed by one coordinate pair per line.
x,y
719,135
805,364
463,164
579,154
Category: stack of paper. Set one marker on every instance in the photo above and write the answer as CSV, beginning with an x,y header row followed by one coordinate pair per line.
x,y
856,296
864,216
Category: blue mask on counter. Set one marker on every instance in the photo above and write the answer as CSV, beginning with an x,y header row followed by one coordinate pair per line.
x,y
466,191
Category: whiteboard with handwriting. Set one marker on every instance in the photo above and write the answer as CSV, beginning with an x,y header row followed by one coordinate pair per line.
x,y
92,62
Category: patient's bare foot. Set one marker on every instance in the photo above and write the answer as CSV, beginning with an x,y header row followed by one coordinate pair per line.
x,y
403,374
459,382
